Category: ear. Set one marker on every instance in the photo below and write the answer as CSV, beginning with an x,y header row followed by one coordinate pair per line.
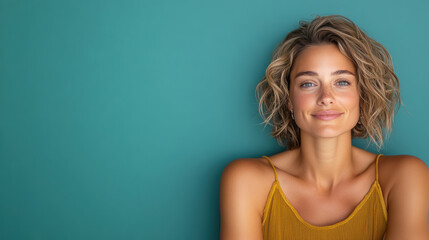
x,y
289,105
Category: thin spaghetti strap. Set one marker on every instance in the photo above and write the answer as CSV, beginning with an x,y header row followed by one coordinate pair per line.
x,y
376,166
269,160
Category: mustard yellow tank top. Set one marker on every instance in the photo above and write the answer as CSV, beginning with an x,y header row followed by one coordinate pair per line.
x,y
367,221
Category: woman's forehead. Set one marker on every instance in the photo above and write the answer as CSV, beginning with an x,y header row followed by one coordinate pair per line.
x,y
321,60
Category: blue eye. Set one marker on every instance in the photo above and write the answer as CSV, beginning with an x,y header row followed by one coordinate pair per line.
x,y
307,85
343,83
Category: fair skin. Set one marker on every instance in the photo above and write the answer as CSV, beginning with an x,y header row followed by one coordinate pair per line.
x,y
326,177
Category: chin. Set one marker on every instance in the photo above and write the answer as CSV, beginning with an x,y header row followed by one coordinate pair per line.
x,y
330,132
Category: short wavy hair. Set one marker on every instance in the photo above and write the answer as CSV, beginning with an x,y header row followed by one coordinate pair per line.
x,y
378,85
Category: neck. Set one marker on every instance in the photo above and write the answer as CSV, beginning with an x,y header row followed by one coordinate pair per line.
x,y
326,161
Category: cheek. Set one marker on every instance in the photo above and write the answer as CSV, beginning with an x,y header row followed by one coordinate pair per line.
x,y
351,102
302,101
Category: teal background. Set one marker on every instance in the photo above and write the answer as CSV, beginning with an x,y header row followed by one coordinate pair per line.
x,y
117,117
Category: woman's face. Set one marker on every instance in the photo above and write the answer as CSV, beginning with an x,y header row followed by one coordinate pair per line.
x,y
324,92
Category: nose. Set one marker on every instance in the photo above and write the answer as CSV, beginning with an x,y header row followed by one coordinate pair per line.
x,y
326,96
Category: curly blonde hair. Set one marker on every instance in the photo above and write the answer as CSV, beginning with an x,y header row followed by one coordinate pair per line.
x,y
378,85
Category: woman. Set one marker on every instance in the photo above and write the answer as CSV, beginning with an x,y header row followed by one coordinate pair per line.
x,y
327,82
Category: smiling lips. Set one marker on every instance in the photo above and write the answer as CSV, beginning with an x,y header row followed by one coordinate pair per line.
x,y
327,115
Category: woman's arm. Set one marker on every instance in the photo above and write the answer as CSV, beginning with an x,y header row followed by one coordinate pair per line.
x,y
240,219
408,200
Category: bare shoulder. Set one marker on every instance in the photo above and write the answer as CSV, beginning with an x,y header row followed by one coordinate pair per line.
x,y
400,168
243,167
242,192
241,171
246,174
407,181
403,160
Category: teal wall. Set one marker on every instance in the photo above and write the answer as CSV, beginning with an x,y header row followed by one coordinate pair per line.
x,y
117,117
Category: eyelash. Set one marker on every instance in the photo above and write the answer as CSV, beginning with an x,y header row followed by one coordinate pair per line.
x,y
339,83
343,81
305,84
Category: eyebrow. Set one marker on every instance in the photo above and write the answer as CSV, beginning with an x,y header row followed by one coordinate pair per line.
x,y
311,73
